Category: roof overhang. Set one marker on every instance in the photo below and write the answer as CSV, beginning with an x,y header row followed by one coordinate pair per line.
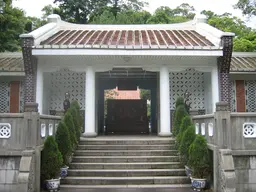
x,y
114,52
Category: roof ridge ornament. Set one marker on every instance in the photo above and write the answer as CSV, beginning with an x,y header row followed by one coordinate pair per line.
x,y
53,18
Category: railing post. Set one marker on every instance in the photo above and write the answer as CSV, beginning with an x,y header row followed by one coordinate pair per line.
x,y
223,126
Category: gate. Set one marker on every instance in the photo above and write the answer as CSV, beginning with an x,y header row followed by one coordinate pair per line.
x,y
127,117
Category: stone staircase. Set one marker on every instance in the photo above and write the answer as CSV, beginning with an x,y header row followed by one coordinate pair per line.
x,y
120,162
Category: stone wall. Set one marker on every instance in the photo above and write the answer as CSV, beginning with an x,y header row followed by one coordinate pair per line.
x,y
231,137
245,168
21,141
9,171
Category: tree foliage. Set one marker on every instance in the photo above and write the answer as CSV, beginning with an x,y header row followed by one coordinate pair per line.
x,y
180,113
69,121
186,122
247,6
12,24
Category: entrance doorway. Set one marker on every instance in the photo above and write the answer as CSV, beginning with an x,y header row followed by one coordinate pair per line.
x,y
123,115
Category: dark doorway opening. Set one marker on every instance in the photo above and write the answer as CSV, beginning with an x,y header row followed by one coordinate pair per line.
x,y
127,116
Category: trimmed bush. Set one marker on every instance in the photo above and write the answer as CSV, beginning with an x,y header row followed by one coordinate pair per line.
x,y
199,159
68,119
51,159
180,113
186,122
62,138
179,101
187,139
77,121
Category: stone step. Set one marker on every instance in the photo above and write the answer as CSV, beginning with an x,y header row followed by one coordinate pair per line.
x,y
127,142
132,165
125,172
126,147
125,180
126,153
122,159
126,188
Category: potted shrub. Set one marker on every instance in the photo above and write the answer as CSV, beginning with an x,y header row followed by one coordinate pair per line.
x,y
75,112
186,122
51,161
180,113
62,138
187,139
199,161
68,119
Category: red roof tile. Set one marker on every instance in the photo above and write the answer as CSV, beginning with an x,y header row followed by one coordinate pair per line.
x,y
127,39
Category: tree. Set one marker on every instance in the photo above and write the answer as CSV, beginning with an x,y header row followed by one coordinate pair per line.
x,y
180,113
145,94
69,121
12,24
247,6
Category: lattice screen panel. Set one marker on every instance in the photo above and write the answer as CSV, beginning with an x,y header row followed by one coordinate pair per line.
x,y
233,96
4,97
250,91
191,81
21,97
67,81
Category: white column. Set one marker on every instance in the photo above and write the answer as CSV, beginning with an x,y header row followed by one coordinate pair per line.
x,y
90,103
215,87
39,90
165,124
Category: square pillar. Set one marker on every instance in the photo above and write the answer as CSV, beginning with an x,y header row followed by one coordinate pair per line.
x,y
215,88
165,118
90,126
39,90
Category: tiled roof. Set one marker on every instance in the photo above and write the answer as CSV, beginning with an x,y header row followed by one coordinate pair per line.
x,y
11,63
128,39
127,94
246,64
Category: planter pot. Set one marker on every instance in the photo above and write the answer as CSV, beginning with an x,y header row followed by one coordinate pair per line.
x,y
63,172
188,171
198,184
53,185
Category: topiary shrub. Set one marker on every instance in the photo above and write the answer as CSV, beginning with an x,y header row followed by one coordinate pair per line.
x,y
51,160
186,122
77,121
180,113
199,159
187,139
62,138
68,119
179,101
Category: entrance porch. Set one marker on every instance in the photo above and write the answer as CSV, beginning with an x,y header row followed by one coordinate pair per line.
x,y
168,77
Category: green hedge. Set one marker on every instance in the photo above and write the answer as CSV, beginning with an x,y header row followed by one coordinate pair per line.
x,y
199,159
62,138
51,159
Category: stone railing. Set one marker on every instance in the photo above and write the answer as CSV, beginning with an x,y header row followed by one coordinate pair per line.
x,y
204,125
232,139
21,140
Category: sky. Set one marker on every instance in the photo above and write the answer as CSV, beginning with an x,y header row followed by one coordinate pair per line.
x,y
34,7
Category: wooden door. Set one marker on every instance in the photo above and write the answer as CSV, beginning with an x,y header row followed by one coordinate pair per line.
x,y
127,117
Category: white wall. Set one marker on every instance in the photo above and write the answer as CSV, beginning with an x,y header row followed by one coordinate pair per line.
x,y
208,93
